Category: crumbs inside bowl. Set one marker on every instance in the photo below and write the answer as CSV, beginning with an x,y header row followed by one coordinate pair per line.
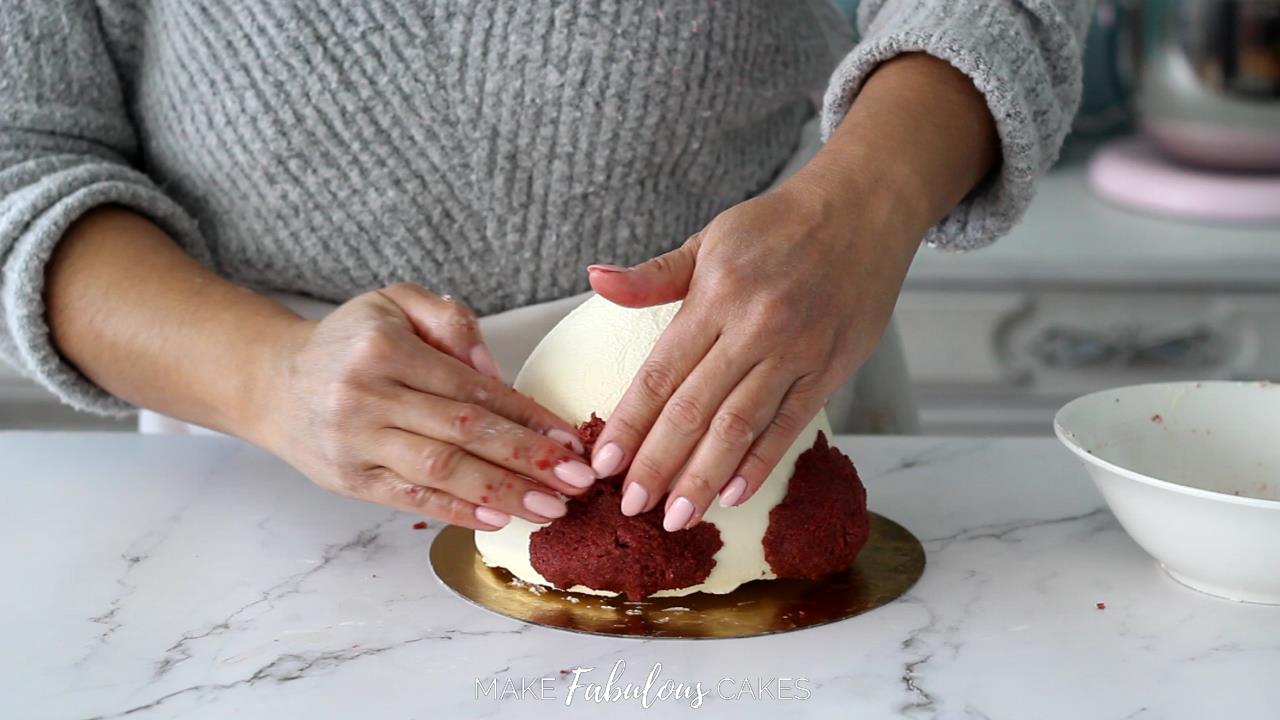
x,y
1221,437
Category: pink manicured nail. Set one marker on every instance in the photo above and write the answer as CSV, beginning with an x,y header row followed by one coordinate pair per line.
x,y
633,499
483,361
607,268
607,460
733,492
677,515
575,473
566,439
544,504
489,516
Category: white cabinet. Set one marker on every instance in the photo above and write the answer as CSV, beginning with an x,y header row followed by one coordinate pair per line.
x,y
1083,296
16,389
1005,361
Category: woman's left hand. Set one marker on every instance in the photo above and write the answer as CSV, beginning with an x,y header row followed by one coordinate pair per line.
x,y
785,295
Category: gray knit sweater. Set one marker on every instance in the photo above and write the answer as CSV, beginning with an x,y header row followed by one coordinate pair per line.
x,y
486,148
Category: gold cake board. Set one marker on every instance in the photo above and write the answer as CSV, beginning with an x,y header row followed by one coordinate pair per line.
x,y
888,565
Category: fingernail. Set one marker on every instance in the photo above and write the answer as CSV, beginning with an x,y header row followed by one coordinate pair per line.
x,y
733,492
489,516
482,360
678,515
607,268
544,504
633,499
607,460
566,439
575,473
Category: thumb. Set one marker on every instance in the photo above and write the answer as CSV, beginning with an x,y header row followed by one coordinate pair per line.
x,y
663,279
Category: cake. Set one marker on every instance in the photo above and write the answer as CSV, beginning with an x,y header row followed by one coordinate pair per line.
x,y
807,520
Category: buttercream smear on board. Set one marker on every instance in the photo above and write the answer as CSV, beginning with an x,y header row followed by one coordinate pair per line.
x,y
584,365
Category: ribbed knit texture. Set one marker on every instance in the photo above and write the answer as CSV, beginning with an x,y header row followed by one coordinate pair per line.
x,y
1026,60
484,148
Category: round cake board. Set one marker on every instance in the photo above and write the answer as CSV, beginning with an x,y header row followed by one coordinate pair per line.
x,y
1131,173
888,565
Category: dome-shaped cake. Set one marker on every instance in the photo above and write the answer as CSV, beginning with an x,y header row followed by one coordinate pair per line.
x,y
807,520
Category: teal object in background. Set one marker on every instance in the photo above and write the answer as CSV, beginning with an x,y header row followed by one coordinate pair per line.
x,y
1105,108
849,8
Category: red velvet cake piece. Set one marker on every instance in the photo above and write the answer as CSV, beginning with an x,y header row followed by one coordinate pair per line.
x,y
595,545
821,524
589,432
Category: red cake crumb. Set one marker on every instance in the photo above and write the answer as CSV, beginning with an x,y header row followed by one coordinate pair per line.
x,y
822,523
1101,606
589,432
420,525
595,545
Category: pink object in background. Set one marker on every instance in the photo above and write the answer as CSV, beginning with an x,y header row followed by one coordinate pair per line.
x,y
1132,173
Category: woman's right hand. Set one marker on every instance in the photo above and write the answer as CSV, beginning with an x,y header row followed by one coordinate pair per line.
x,y
395,399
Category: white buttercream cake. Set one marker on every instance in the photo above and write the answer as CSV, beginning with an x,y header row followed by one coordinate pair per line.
x,y
582,367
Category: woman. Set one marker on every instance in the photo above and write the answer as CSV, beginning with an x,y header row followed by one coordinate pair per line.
x,y
412,160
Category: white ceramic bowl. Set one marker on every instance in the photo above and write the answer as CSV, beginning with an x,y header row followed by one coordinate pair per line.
x,y
1192,472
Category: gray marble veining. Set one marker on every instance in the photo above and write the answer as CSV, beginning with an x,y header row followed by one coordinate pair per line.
x,y
165,577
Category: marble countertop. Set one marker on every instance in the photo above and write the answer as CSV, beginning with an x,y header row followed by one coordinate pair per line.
x,y
166,577
1070,238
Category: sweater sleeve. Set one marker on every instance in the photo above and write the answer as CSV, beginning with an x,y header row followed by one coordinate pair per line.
x,y
1024,56
66,146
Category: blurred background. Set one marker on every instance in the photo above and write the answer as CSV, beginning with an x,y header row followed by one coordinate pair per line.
x,y
1152,251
